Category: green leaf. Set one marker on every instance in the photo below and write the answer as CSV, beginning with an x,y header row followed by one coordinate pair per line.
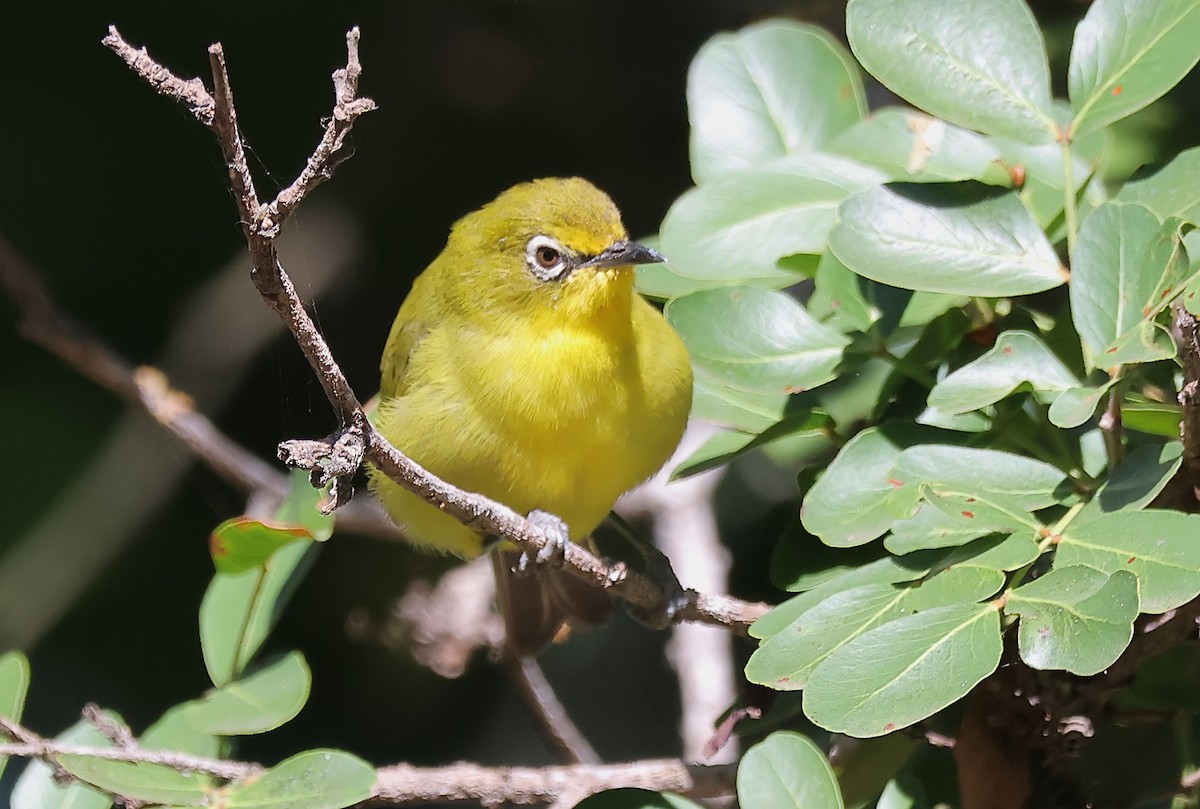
x,y
1045,178
241,543
992,554
1135,483
1075,618
14,685
854,303
1127,268
738,227
947,519
1076,405
1153,418
787,771
911,146
660,282
239,609
984,473
1173,190
888,570
301,507
172,731
715,402
977,63
316,779
1157,546
786,660
957,238
37,789
1126,54
756,340
904,671
152,783
772,89
932,528
848,505
632,798
263,701
802,442
1018,358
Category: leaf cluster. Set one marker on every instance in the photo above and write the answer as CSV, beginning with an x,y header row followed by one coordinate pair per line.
x,y
947,309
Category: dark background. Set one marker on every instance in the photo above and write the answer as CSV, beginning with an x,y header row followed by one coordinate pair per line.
x,y
119,198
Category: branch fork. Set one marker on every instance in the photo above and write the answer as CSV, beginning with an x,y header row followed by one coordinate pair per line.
x,y
336,460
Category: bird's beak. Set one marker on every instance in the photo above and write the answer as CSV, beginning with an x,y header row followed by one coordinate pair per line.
x,y
623,254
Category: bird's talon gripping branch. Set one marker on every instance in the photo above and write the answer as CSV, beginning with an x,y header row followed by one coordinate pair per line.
x,y
558,539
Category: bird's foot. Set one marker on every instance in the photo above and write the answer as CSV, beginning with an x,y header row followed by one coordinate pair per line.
x,y
676,598
558,539
658,567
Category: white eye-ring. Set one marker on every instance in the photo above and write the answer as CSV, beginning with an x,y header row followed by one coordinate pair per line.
x,y
547,258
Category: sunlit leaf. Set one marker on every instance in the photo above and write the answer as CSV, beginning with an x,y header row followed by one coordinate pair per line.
x,y
769,90
787,771
848,505
1157,546
1127,267
976,63
1126,54
1135,482
756,340
738,227
958,238
1018,358
911,146
1075,618
905,670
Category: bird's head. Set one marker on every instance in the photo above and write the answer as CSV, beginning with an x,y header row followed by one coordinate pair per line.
x,y
553,247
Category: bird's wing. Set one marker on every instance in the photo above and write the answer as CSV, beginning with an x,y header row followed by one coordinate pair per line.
x,y
408,329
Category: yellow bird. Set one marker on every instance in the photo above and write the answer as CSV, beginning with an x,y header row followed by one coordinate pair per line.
x,y
522,365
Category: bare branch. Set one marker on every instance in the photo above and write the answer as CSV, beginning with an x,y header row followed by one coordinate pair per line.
x,y
333,148
189,92
404,785
279,293
43,323
551,717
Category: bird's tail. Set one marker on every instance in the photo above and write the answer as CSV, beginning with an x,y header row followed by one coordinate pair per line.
x,y
540,604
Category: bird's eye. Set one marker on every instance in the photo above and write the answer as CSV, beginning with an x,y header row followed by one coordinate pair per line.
x,y
547,259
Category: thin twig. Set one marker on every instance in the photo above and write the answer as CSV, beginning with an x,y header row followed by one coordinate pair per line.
x,y
260,224
551,717
44,323
404,785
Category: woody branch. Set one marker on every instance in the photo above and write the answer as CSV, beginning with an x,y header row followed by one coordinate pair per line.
x,y
337,460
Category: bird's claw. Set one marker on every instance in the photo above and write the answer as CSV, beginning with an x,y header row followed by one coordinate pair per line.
x,y
554,552
668,614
